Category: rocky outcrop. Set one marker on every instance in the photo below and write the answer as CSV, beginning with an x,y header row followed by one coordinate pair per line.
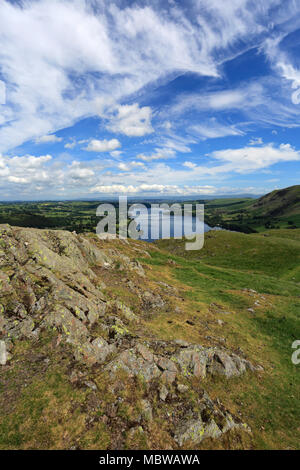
x,y
196,430
47,282
55,283
195,360
188,360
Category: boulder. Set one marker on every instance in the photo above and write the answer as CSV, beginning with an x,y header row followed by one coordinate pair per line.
x,y
222,363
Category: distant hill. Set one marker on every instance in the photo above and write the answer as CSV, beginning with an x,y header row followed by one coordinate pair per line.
x,y
279,209
281,202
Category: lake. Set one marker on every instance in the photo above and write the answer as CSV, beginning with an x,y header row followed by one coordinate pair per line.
x,y
156,219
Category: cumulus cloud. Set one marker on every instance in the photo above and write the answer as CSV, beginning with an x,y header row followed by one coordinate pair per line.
x,y
190,165
38,176
102,145
23,170
131,120
81,173
28,162
154,189
116,153
130,165
17,179
48,139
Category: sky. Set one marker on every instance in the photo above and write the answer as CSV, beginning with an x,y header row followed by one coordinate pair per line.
x,y
148,98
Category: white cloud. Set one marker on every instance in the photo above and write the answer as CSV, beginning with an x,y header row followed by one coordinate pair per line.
x,y
116,153
190,165
131,120
28,162
159,154
81,173
154,189
62,60
150,158
70,145
225,99
17,179
23,175
293,74
48,139
212,130
130,165
102,145
243,97
248,159
256,141
24,170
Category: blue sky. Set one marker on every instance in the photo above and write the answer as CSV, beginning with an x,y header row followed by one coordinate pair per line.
x,y
148,98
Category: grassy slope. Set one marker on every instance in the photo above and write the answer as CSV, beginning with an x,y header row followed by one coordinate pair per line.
x,y
283,202
283,233
280,208
215,280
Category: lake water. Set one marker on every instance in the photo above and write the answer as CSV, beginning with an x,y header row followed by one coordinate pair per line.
x,y
155,225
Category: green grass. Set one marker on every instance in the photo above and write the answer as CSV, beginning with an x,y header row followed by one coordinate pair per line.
x,y
270,402
271,256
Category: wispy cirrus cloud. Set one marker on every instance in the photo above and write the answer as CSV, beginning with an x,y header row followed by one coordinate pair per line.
x,y
64,60
212,130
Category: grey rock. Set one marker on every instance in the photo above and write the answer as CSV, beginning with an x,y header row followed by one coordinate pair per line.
x,y
163,392
195,430
17,329
152,301
192,361
222,363
95,352
136,362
